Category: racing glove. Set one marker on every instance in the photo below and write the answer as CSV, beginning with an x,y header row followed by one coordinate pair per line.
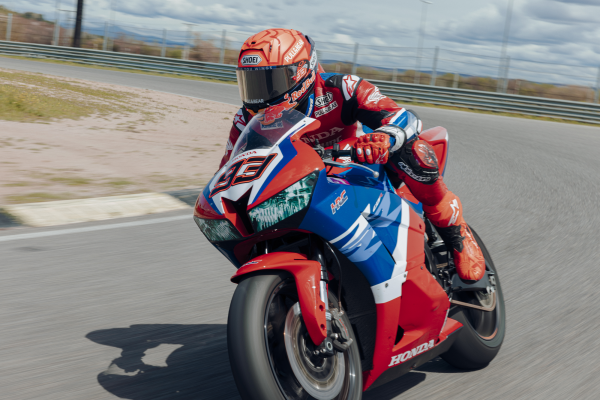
x,y
375,148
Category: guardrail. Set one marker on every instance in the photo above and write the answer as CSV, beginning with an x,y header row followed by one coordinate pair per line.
x,y
461,98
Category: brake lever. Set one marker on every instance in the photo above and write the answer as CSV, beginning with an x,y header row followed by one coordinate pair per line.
x,y
332,163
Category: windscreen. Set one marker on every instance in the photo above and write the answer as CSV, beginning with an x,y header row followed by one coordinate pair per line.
x,y
265,129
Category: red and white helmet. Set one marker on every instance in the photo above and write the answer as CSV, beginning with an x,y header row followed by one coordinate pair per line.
x,y
274,66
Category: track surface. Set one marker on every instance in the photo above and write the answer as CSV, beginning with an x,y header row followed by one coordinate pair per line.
x,y
75,304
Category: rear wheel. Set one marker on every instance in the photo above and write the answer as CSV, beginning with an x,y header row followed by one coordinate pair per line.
x,y
481,337
271,354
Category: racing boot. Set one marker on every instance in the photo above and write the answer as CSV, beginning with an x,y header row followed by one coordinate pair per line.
x,y
447,217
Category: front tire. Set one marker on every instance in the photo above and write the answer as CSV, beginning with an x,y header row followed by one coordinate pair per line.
x,y
481,337
257,350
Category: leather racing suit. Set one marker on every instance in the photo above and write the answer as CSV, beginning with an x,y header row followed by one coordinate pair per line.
x,y
340,101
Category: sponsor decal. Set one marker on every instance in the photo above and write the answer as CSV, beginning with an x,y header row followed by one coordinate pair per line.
x,y
251,263
410,173
381,158
322,101
326,110
455,212
349,85
311,102
337,181
407,355
313,60
239,121
301,72
273,113
339,201
276,125
321,136
295,50
375,96
251,59
242,171
255,101
299,93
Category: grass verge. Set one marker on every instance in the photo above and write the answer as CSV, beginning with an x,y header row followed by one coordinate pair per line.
x,y
26,97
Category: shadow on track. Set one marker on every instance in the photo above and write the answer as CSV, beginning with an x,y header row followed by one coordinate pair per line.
x,y
192,362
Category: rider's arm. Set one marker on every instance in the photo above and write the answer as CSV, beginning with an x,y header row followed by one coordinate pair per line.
x,y
375,110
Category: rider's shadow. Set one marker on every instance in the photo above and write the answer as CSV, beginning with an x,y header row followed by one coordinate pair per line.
x,y
168,362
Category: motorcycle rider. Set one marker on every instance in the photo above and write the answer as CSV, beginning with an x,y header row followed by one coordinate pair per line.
x,y
278,67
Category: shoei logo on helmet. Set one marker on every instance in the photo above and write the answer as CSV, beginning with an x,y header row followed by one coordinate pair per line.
x,y
294,51
253,59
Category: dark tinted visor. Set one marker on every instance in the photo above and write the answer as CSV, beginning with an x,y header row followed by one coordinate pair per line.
x,y
259,85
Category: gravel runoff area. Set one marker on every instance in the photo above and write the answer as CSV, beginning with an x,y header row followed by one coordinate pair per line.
x,y
155,142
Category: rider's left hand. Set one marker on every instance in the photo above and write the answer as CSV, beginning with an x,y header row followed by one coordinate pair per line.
x,y
373,148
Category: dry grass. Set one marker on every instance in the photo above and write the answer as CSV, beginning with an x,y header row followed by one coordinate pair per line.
x,y
26,97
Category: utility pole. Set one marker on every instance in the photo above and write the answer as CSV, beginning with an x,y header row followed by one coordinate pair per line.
x,y
186,49
505,43
597,98
434,70
78,20
355,59
56,38
421,35
223,42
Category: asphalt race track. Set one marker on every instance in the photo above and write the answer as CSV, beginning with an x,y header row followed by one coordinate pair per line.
x,y
139,312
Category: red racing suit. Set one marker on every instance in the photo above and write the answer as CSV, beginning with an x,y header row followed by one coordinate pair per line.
x,y
340,101
343,100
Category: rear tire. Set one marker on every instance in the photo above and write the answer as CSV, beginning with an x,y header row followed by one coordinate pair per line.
x,y
481,337
256,345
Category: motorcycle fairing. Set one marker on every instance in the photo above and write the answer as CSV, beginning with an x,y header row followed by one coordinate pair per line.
x,y
307,275
284,152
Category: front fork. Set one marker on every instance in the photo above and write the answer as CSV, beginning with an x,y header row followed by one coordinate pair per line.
x,y
337,333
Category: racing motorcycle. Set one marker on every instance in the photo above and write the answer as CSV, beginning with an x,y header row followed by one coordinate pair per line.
x,y
343,284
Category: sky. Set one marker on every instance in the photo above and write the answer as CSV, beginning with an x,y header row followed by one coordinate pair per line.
x,y
468,32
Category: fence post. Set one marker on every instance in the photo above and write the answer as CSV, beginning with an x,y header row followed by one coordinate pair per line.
x,y
355,58
163,50
8,26
434,71
105,41
394,74
56,37
597,99
506,67
456,77
500,75
222,56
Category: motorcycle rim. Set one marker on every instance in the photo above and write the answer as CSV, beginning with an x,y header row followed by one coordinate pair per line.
x,y
305,377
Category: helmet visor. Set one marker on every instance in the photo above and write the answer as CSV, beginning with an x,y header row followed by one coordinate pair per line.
x,y
259,85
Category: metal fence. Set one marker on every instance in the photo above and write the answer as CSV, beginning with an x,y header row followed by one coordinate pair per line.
x,y
447,67
407,92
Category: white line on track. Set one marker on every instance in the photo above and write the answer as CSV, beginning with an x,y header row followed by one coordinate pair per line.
x,y
93,228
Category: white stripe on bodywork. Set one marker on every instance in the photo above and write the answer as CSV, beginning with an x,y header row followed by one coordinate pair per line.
x,y
393,290
389,290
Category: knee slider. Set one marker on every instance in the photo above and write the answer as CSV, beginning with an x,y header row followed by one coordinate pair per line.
x,y
417,159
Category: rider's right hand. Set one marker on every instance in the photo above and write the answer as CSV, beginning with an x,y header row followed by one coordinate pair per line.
x,y
373,148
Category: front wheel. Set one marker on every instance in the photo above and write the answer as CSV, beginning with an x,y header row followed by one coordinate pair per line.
x,y
481,337
268,364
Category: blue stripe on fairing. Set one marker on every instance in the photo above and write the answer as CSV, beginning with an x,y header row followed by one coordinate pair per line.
x,y
366,129
206,193
288,151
